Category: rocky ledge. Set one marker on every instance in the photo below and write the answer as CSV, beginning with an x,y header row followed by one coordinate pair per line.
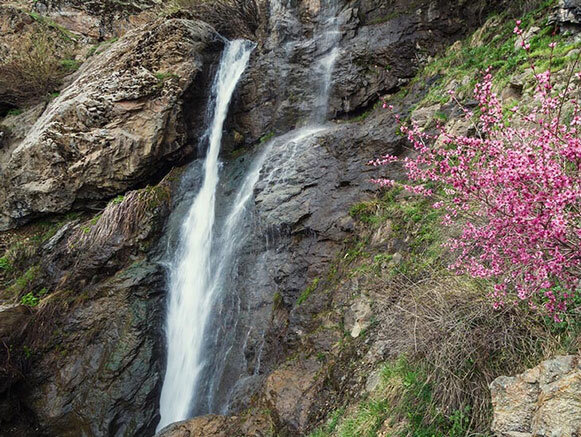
x,y
541,402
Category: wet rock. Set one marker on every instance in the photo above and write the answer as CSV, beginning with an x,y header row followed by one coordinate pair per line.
x,y
291,392
382,45
101,372
96,358
117,125
542,401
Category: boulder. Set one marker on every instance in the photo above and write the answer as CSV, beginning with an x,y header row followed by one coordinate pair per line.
x,y
567,15
291,392
543,401
254,424
119,124
205,426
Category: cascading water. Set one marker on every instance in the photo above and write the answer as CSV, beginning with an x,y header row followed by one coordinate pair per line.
x,y
191,296
328,45
206,346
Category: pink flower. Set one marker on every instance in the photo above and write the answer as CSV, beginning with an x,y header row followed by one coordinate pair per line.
x,y
514,194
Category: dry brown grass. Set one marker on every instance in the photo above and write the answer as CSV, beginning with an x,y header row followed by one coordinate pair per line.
x,y
447,325
32,72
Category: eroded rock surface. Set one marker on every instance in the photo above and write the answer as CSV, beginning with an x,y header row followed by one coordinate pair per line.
x,y
116,126
541,402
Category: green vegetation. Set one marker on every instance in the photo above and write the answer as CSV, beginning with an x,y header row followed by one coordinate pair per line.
x,y
95,219
5,263
277,301
20,264
15,111
70,65
25,281
117,200
266,137
308,291
401,405
155,196
29,299
163,77
27,351
494,46
408,217
33,71
48,23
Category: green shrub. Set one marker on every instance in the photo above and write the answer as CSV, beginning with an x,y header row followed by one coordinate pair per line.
x,y
70,65
5,263
29,299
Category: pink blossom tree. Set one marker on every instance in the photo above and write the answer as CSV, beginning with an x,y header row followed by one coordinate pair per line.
x,y
512,191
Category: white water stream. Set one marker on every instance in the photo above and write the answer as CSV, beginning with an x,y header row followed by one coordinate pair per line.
x,y
200,271
191,294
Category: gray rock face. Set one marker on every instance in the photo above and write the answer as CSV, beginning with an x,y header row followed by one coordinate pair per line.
x,y
102,373
543,401
568,15
95,350
381,47
119,123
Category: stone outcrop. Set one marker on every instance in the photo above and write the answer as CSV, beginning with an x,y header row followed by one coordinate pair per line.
x,y
567,15
118,125
93,342
219,426
291,390
541,402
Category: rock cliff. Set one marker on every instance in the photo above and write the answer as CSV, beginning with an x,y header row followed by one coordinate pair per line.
x,y
91,206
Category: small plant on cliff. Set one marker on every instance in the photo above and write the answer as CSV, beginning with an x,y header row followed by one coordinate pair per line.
x,y
30,300
514,190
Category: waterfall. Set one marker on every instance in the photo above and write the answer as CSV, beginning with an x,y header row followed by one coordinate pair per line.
x,y
327,42
190,297
206,338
